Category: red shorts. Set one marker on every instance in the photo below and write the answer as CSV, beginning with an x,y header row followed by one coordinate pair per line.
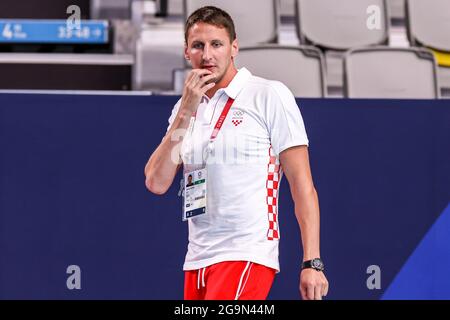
x,y
229,280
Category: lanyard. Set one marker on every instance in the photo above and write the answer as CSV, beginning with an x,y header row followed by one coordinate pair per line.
x,y
214,134
221,120
218,126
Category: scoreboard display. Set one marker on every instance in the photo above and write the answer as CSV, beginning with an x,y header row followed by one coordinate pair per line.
x,y
54,31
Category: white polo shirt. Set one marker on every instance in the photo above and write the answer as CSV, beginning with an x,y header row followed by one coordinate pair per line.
x,y
243,170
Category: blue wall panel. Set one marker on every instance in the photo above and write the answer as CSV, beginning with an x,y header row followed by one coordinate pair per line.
x,y
72,193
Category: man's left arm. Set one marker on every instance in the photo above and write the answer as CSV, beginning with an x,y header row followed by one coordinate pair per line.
x,y
295,164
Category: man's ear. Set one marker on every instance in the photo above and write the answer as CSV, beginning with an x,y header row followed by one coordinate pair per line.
x,y
234,48
186,55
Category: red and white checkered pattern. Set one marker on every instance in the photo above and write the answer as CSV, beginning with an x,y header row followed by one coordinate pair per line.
x,y
273,178
236,122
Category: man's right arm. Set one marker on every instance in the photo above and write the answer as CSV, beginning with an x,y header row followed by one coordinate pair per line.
x,y
165,161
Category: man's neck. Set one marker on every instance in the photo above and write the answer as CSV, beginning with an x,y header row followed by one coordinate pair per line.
x,y
227,78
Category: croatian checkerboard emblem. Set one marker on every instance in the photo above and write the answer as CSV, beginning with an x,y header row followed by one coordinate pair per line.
x,y
238,117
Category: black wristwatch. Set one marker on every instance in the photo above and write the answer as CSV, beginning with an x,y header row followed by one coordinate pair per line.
x,y
316,264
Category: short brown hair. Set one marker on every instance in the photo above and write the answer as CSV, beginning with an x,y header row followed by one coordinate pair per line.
x,y
211,15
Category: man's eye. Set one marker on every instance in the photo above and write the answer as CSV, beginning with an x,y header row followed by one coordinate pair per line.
x,y
217,44
197,46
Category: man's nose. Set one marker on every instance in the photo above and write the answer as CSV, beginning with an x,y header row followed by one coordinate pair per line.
x,y
206,53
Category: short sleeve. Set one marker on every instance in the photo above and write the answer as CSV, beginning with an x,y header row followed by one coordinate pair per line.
x,y
172,117
285,122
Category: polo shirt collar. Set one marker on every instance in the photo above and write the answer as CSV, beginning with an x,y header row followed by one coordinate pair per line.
x,y
235,86
238,83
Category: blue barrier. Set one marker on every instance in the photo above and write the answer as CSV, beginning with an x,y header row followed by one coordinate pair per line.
x,y
72,193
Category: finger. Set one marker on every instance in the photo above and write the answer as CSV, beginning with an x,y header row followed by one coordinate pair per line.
x,y
318,293
310,292
191,75
207,87
303,292
322,289
195,75
201,72
325,289
192,80
204,80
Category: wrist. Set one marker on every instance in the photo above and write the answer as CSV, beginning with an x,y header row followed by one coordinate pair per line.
x,y
310,256
185,114
316,264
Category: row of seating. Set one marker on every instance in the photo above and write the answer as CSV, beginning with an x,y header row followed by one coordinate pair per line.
x,y
119,9
370,72
357,30
337,25
340,25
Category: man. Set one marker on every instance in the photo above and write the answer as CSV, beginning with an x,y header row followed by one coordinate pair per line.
x,y
233,238
189,182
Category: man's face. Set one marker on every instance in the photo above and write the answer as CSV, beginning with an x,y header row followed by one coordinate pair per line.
x,y
209,47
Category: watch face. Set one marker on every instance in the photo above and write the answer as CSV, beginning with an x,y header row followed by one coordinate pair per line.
x,y
317,264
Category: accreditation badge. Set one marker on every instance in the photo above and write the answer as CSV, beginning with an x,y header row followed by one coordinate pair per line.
x,y
194,193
